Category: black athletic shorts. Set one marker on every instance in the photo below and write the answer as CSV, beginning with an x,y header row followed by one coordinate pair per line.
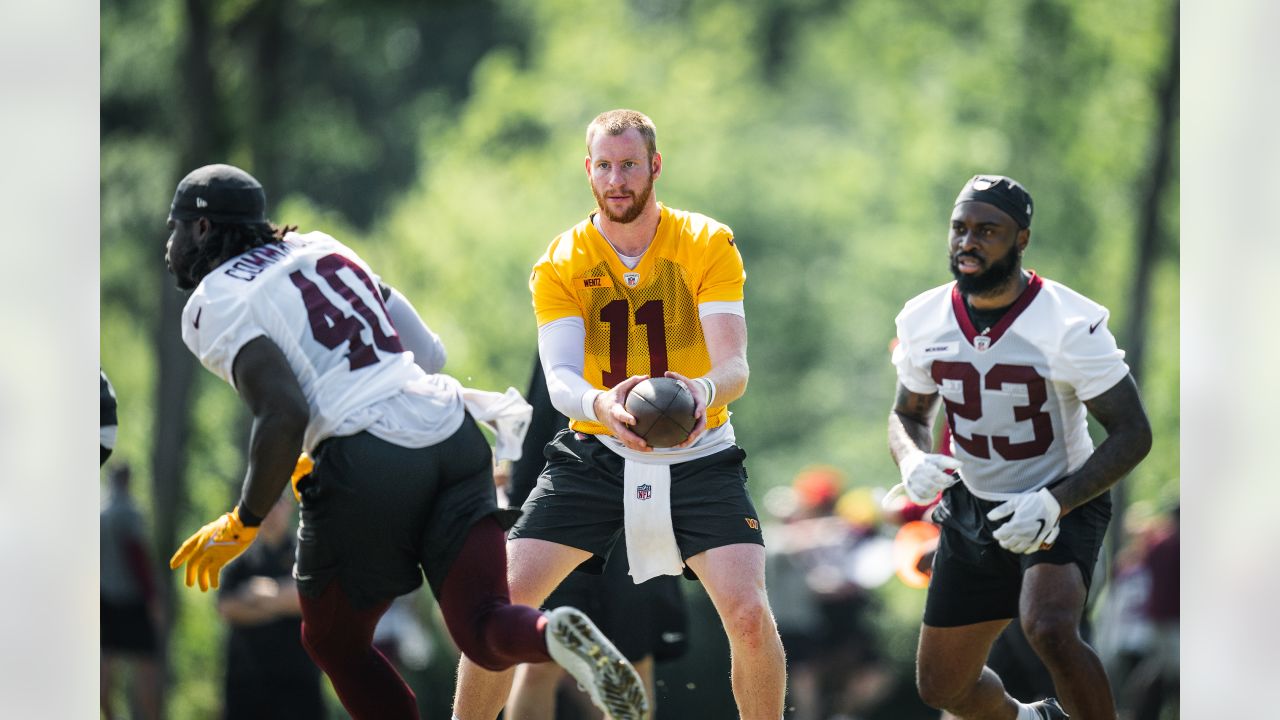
x,y
975,580
126,628
376,515
578,500
641,620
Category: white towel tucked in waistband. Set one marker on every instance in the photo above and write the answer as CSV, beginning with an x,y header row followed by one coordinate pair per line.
x,y
646,500
507,415
646,509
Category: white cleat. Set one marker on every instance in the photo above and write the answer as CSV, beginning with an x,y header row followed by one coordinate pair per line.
x,y
578,646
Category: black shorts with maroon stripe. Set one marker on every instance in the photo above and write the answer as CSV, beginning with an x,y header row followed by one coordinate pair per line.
x,y
578,500
376,516
975,580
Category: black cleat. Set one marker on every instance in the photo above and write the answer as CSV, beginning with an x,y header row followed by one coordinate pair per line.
x,y
1049,709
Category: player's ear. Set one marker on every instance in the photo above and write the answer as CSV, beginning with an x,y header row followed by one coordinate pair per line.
x,y
655,165
201,226
1023,239
587,165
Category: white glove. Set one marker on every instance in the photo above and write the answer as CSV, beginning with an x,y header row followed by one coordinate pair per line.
x,y
1034,525
923,477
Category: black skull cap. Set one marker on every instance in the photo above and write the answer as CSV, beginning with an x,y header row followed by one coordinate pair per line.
x,y
1003,192
221,193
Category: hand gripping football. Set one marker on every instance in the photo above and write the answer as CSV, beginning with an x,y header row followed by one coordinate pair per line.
x,y
663,409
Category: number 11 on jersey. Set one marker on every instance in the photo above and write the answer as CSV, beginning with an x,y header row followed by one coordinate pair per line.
x,y
617,315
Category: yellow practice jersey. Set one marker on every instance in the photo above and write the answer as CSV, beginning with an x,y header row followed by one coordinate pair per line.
x,y
642,321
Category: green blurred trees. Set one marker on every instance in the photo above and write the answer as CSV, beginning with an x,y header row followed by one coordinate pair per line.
x,y
444,141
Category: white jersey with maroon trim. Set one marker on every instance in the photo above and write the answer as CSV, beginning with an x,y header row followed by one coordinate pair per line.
x,y
1013,395
321,305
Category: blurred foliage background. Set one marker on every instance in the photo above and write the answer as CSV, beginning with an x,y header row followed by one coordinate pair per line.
x,y
444,142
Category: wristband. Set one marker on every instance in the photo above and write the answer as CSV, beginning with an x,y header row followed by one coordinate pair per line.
x,y
589,404
246,516
710,389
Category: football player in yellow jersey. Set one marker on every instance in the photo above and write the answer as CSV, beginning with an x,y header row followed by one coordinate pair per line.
x,y
641,290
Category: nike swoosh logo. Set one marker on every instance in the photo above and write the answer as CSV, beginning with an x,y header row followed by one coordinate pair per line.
x,y
1091,327
216,543
196,323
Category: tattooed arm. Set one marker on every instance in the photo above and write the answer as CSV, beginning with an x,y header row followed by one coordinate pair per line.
x,y
911,423
1120,412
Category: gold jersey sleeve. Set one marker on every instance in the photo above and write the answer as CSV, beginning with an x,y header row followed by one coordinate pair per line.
x,y
641,321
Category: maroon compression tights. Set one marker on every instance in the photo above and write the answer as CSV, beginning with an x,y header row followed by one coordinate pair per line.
x,y
477,610
477,607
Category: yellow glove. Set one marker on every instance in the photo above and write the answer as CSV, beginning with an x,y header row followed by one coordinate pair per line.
x,y
302,469
213,546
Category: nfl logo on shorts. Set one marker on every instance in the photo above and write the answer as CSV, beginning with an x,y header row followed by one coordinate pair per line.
x,y
644,492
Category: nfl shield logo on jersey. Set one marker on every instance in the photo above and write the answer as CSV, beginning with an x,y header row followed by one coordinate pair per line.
x,y
981,343
644,492
631,279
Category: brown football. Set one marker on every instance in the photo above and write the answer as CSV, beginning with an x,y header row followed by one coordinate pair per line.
x,y
663,409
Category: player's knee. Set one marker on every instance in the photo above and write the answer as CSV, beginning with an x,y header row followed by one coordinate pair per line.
x,y
477,631
749,618
479,643
316,645
328,649
939,689
1050,631
934,694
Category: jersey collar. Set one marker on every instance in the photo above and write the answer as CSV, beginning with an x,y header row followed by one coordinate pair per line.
x,y
1034,283
644,269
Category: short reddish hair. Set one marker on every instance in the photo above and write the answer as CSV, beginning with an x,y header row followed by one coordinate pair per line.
x,y
616,122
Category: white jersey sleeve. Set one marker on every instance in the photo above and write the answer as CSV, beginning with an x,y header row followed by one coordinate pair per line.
x,y
216,327
908,353
1089,359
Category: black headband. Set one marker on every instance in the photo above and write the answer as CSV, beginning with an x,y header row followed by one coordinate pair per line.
x,y
1003,192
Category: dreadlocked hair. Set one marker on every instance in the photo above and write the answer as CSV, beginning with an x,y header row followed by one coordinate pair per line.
x,y
227,240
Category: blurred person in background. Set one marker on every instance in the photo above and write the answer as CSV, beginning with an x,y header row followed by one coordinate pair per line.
x,y
1124,632
646,621
640,290
107,415
129,601
268,673
402,482
1017,360
1154,683
401,636
824,607
404,636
